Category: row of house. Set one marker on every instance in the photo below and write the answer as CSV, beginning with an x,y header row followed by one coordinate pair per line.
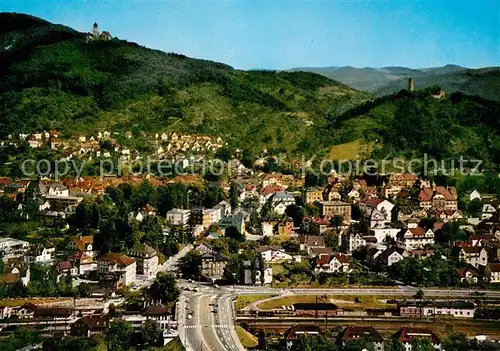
x,y
405,335
120,269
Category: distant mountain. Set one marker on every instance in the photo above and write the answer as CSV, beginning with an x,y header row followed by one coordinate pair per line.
x,y
484,82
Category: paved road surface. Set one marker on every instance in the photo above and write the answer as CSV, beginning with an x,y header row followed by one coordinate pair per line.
x,y
210,331
206,330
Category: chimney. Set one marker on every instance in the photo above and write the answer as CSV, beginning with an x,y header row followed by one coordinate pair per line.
x,y
410,84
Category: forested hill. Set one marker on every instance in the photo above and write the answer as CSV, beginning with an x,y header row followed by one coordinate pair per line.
x,y
413,123
52,78
484,82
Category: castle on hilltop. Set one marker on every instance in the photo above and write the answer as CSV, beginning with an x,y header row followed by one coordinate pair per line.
x,y
95,35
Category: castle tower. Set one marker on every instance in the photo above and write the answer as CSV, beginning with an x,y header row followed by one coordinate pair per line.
x,y
410,84
95,31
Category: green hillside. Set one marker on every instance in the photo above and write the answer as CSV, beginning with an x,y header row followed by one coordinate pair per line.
x,y
410,124
52,78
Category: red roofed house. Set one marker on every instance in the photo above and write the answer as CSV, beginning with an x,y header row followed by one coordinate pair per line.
x,y
66,268
298,332
112,262
420,253
83,243
267,191
438,198
352,333
89,326
405,335
416,238
378,210
339,263
317,225
469,275
83,262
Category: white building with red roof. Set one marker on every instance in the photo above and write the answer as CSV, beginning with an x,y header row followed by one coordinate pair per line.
x,y
407,334
416,238
112,262
378,210
438,198
338,263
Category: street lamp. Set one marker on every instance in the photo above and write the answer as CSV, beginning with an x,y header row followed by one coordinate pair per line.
x,y
234,279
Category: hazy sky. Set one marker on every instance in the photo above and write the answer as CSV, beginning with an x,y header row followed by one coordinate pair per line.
x,y
285,34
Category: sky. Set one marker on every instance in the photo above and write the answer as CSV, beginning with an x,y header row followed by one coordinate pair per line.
x,y
287,34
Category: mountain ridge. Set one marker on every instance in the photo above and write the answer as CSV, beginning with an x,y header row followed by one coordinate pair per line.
x,y
387,80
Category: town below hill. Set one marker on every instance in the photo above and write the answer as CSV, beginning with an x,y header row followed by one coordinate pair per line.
x,y
114,237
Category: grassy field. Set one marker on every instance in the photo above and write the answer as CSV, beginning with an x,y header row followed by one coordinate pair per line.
x,y
344,301
245,300
349,151
247,339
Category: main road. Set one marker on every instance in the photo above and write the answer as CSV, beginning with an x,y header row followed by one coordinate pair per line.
x,y
206,320
206,330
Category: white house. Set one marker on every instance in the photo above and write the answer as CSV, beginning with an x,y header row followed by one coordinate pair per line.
x,y
225,208
475,256
267,228
338,263
368,204
83,262
377,210
415,238
40,254
356,241
281,200
487,211
115,262
11,248
146,259
392,255
273,254
178,216
382,234
279,208
474,195
55,189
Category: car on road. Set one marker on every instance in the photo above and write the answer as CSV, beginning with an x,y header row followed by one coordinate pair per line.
x,y
215,310
190,316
